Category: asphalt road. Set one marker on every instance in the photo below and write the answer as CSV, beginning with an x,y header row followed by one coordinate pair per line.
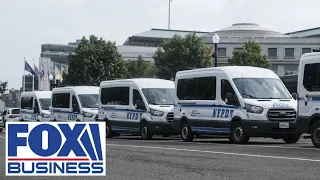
x,y
129,158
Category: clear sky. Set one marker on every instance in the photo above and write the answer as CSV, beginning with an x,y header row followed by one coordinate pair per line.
x,y
26,24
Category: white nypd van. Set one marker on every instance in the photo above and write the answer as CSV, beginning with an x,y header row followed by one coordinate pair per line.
x,y
76,103
35,106
238,101
143,106
309,96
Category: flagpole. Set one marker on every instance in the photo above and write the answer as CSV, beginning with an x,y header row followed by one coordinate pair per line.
x,y
24,76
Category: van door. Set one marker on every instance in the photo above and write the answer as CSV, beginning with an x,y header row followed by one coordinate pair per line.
x,y
75,115
309,90
36,110
115,107
61,106
228,106
139,107
197,99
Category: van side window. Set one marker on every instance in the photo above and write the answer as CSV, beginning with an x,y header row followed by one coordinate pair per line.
x,y
227,88
27,103
311,77
75,104
137,97
201,88
61,100
115,96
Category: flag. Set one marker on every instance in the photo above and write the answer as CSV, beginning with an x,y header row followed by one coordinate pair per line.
x,y
28,68
38,72
58,74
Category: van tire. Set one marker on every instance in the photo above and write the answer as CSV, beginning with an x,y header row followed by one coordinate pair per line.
x,y
292,139
145,131
237,134
186,132
109,133
315,134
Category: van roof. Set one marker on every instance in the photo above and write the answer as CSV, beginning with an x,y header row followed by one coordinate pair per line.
x,y
78,89
235,71
143,82
39,94
308,58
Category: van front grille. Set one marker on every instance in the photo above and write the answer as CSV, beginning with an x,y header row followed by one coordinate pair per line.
x,y
281,114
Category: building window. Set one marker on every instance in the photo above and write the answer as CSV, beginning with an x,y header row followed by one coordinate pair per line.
x,y
289,52
201,88
272,53
311,78
306,50
222,52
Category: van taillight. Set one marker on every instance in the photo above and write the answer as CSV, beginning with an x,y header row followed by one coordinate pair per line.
x,y
298,102
13,116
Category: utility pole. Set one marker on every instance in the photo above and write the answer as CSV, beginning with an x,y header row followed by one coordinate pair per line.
x,y
169,14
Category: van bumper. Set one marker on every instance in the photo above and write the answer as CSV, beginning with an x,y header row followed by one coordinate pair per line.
x,y
268,129
303,124
161,127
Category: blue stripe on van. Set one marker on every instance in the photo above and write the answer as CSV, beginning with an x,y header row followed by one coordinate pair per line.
x,y
210,129
118,109
211,105
310,99
26,112
118,128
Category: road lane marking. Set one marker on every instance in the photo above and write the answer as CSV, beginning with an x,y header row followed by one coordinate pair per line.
x,y
216,152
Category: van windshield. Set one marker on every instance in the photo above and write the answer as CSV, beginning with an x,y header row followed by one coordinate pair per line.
x,y
45,103
261,88
89,100
159,96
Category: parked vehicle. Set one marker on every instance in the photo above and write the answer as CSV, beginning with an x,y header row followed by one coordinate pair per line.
x,y
76,103
237,101
35,106
11,115
309,96
142,105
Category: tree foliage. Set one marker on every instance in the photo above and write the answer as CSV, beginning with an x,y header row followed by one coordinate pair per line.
x,y
289,73
140,69
3,86
249,55
181,53
93,61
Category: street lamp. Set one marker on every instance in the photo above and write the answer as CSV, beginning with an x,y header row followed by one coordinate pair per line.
x,y
215,40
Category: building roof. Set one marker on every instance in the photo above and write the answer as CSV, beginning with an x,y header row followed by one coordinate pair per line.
x,y
313,32
166,34
247,30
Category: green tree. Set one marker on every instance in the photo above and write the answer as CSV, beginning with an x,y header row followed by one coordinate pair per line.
x,y
3,87
140,69
181,53
93,61
289,73
249,55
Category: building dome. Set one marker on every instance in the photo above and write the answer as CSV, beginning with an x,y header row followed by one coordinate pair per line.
x,y
248,30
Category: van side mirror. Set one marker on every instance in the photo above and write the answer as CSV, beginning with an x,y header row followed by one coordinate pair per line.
x,y
229,97
295,96
139,104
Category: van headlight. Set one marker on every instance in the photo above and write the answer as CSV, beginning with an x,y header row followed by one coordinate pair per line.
x,y
45,115
254,109
156,113
87,114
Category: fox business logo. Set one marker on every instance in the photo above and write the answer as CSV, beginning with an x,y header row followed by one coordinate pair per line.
x,y
55,149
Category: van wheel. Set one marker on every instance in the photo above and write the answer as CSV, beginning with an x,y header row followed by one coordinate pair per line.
x,y
315,134
186,133
237,134
145,131
292,139
109,132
